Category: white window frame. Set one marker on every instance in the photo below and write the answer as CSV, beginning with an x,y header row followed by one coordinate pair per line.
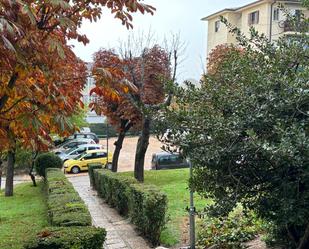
x,y
276,14
254,17
217,26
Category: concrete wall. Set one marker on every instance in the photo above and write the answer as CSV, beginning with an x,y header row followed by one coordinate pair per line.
x,y
264,19
216,38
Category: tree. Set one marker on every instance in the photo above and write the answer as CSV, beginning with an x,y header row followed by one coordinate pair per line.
x,y
219,56
108,71
138,83
246,131
39,68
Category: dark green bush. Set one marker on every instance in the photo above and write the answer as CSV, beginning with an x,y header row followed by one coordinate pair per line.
x,y
144,204
147,209
45,161
65,207
68,238
91,167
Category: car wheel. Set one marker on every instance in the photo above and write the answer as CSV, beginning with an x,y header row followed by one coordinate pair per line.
x,y
75,170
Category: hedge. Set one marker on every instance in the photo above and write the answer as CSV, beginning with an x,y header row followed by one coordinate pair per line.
x,y
64,206
144,204
69,217
68,238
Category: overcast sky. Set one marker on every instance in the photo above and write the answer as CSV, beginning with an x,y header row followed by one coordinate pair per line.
x,y
171,16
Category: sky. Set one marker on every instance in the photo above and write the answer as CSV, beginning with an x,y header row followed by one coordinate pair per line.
x,y
181,17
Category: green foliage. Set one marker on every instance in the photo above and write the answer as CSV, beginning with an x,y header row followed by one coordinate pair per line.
x,y
173,183
229,232
65,207
144,204
22,215
23,158
45,161
79,118
68,238
91,167
246,132
101,129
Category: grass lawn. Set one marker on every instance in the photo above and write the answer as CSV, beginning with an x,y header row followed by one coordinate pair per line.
x,y
174,183
22,215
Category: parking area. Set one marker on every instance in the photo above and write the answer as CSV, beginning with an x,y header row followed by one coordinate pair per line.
x,y
127,155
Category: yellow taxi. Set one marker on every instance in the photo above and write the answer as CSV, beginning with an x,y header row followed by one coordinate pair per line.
x,y
80,163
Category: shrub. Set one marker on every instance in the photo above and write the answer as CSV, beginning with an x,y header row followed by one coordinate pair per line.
x,y
147,209
229,232
65,207
91,167
45,161
144,204
68,238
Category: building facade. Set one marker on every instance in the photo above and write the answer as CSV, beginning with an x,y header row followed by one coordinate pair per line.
x,y
266,16
92,117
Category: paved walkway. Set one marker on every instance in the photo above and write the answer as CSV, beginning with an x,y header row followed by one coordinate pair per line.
x,y
120,233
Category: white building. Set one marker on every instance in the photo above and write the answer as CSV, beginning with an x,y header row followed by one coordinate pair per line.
x,y
265,16
92,117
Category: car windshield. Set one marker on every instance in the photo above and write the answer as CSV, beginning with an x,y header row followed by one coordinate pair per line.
x,y
80,156
68,151
63,144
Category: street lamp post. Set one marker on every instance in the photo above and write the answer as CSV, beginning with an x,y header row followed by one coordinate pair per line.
x,y
192,213
107,144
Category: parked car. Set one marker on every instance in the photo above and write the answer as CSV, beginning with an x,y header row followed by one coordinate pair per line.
x,y
165,160
72,143
85,129
80,163
77,150
84,135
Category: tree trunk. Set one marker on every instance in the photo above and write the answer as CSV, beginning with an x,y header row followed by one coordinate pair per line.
x,y
10,173
141,149
10,85
32,176
124,127
0,172
118,147
304,242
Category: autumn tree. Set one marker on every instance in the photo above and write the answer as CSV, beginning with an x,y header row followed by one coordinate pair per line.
x,y
38,68
141,88
109,93
219,56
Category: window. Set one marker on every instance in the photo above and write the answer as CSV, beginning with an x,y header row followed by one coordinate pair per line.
x,y
276,14
254,17
298,13
81,150
90,156
164,160
71,145
217,26
101,154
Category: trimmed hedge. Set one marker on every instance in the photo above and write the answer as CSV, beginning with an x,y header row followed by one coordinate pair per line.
x,y
68,238
91,167
145,205
65,207
69,216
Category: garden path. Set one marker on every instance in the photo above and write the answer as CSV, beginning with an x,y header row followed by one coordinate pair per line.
x,y
120,233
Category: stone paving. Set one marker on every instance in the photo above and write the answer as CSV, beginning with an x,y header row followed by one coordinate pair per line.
x,y
120,233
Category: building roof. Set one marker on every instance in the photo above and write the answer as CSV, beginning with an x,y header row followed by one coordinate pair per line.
x,y
243,7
